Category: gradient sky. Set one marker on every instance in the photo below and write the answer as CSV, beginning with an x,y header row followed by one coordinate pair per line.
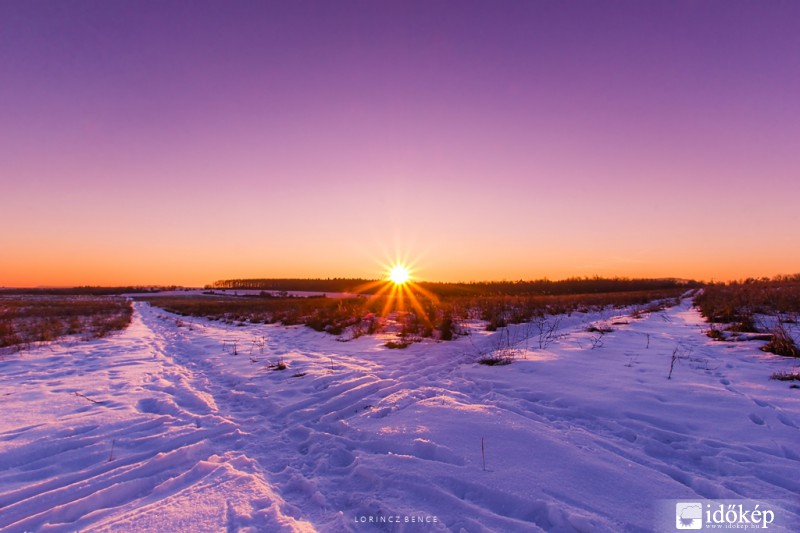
x,y
184,142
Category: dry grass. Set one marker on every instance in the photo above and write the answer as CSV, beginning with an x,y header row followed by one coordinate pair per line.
x,y
353,317
781,342
736,303
29,319
786,376
741,303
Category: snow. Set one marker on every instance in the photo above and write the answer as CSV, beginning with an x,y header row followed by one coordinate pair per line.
x,y
165,427
243,292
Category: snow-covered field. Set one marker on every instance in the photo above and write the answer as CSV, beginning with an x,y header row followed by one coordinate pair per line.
x,y
181,425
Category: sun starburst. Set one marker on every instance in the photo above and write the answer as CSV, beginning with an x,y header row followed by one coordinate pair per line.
x,y
398,290
399,274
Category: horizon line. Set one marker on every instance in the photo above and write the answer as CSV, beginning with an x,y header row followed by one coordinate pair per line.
x,y
460,282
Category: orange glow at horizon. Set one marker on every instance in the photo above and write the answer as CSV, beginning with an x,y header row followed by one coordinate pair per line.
x,y
188,263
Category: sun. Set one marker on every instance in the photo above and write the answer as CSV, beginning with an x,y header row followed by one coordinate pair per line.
x,y
399,275
398,291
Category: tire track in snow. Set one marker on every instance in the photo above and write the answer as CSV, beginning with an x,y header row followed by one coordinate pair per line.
x,y
304,434
154,439
323,466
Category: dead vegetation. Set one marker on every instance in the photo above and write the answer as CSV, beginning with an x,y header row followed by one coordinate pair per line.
x,y
442,319
786,376
26,320
766,306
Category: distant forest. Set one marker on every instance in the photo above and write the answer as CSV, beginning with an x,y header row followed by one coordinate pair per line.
x,y
480,288
86,290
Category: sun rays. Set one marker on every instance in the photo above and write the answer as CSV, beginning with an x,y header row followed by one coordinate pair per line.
x,y
400,291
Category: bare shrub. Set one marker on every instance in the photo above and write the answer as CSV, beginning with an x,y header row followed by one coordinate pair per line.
x,y
280,365
601,329
597,341
680,353
497,358
546,328
399,344
782,342
786,376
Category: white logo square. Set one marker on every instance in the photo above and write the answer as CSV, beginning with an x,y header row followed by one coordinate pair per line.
x,y
689,515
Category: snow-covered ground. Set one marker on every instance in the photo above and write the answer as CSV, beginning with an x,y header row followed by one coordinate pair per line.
x,y
182,425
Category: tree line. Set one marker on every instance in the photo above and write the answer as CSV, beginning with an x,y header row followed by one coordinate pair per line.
x,y
539,287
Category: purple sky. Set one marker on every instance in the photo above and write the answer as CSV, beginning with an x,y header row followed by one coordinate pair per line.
x,y
182,142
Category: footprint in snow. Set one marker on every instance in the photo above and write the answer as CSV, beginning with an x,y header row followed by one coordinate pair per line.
x,y
786,421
